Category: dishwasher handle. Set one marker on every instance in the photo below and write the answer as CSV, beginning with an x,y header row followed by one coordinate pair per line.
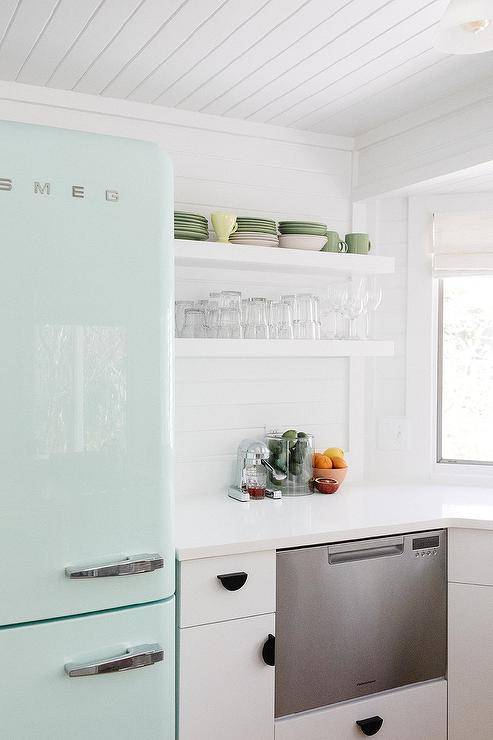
x,y
351,552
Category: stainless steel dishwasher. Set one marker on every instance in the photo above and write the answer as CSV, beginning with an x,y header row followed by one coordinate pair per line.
x,y
358,617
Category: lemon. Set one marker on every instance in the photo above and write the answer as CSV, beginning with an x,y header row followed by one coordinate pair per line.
x,y
334,452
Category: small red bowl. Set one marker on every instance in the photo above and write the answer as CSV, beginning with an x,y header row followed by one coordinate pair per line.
x,y
326,485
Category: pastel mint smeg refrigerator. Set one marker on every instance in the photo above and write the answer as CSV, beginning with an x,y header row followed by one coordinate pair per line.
x,y
86,543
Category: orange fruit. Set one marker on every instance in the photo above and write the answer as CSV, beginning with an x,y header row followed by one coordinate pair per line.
x,y
322,462
338,462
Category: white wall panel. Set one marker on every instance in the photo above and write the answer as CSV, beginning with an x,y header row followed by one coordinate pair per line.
x,y
387,375
253,169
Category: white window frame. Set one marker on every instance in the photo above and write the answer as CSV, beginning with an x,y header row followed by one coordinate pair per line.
x,y
422,340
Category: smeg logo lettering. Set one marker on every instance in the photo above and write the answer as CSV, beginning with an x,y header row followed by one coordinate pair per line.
x,y
45,188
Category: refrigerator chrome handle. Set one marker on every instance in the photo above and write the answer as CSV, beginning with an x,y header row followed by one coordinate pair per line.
x,y
130,566
137,657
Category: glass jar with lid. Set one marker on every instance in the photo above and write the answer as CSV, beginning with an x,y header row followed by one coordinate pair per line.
x,y
292,452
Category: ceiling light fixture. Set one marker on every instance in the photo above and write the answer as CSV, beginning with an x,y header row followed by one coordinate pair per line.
x,y
466,27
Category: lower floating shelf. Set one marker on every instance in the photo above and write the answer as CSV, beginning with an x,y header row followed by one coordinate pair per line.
x,y
283,348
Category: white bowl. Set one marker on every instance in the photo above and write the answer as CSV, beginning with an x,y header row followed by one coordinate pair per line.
x,y
252,241
302,241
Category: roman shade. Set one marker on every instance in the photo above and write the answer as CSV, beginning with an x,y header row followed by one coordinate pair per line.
x,y
463,242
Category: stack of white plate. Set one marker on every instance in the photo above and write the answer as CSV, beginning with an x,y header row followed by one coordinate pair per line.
x,y
259,231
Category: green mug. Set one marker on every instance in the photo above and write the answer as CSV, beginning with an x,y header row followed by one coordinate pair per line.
x,y
334,243
358,243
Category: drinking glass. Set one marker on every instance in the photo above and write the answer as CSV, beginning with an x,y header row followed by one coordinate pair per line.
x,y
194,326
352,308
316,315
180,307
212,319
293,303
273,320
230,298
374,293
328,319
229,323
305,326
283,321
257,326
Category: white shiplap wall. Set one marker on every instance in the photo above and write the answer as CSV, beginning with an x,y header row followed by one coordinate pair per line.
x,y
250,169
386,382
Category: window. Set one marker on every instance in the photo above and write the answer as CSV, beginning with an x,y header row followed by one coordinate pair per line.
x,y
465,370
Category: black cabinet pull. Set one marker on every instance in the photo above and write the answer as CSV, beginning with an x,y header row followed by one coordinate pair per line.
x,y
370,726
269,650
233,581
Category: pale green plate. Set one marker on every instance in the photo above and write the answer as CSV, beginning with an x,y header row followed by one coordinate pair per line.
x,y
304,230
191,235
187,214
302,223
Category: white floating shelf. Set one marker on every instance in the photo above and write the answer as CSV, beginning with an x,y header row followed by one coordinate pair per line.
x,y
283,348
271,259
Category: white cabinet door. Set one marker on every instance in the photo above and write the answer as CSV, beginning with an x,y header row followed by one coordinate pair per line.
x,y
39,701
470,662
226,691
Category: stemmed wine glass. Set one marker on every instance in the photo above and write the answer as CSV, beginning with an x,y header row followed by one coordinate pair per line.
x,y
374,293
336,296
352,307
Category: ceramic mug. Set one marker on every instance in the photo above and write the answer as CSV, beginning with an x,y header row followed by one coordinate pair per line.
x,y
334,243
358,243
224,225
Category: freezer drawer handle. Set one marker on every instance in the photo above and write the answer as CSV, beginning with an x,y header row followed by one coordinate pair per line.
x,y
370,726
129,566
269,650
233,581
137,657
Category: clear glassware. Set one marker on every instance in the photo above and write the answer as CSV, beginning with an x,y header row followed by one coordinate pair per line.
x,y
375,295
304,329
352,308
230,299
212,320
180,307
305,326
291,300
316,315
294,457
229,323
194,326
336,296
328,319
274,320
256,481
257,326
284,321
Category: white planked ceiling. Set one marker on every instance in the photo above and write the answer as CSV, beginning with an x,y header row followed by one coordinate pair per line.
x,y
331,66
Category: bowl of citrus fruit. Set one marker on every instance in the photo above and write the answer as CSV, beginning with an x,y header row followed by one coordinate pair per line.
x,y
330,464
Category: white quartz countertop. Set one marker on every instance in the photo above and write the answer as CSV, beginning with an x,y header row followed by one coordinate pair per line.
x,y
212,525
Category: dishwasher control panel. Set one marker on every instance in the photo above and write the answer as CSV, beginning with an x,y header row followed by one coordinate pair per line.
x,y
424,546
